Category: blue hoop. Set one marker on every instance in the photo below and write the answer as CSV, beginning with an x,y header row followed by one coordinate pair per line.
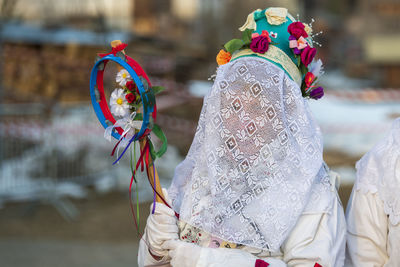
x,y
95,99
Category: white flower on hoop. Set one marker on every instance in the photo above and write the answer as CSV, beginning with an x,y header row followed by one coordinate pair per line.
x,y
118,102
122,77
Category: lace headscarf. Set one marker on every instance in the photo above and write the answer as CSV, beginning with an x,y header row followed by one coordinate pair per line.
x,y
378,171
255,164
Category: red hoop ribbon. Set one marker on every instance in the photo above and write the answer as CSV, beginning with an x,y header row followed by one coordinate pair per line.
x,y
115,50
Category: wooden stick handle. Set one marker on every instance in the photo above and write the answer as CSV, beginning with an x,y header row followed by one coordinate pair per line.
x,y
153,176
142,145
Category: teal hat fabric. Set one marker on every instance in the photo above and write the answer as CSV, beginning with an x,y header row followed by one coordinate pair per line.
x,y
282,38
265,35
275,21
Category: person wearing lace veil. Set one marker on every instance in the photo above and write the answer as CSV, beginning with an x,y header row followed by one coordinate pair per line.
x,y
253,189
373,211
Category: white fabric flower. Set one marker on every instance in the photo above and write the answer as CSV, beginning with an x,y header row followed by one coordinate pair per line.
x,y
128,124
122,77
119,105
276,15
316,68
307,28
250,22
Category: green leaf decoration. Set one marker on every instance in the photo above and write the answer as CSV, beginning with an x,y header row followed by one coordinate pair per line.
x,y
144,82
298,61
149,98
138,117
158,89
152,152
151,123
233,45
160,134
136,106
303,69
246,36
303,89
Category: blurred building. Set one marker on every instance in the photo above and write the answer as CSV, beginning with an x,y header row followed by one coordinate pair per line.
x,y
206,23
177,39
379,27
48,46
80,13
52,43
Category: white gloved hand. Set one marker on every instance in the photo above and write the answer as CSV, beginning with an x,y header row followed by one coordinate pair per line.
x,y
182,254
161,226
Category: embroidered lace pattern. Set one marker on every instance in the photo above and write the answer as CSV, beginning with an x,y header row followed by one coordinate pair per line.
x,y
255,164
378,171
276,55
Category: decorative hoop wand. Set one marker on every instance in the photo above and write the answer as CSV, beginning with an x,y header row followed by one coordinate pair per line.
x,y
135,103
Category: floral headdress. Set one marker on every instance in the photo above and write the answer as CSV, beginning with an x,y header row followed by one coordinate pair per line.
x,y
275,35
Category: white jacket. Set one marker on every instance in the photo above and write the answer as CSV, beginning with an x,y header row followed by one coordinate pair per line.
x,y
373,211
317,238
372,240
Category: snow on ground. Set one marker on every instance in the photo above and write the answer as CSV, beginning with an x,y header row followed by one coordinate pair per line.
x,y
353,127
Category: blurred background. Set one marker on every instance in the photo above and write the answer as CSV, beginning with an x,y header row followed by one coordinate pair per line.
x,y
62,203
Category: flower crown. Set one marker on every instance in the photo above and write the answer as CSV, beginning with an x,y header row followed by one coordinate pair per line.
x,y
300,43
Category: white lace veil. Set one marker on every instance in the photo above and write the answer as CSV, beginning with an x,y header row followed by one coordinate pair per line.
x,y
378,171
255,164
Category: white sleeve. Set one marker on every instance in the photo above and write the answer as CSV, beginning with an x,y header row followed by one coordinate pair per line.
x,y
367,230
145,259
317,238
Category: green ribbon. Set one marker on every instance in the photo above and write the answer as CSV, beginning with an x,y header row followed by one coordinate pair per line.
x,y
160,135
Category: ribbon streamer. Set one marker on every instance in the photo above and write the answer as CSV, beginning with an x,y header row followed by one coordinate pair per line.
x,y
115,50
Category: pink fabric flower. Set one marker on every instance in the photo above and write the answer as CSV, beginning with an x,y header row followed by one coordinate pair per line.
x,y
297,30
260,43
298,45
263,33
307,55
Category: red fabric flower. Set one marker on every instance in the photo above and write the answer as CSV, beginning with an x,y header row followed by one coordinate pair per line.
x,y
130,85
297,30
309,79
260,43
130,97
307,55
